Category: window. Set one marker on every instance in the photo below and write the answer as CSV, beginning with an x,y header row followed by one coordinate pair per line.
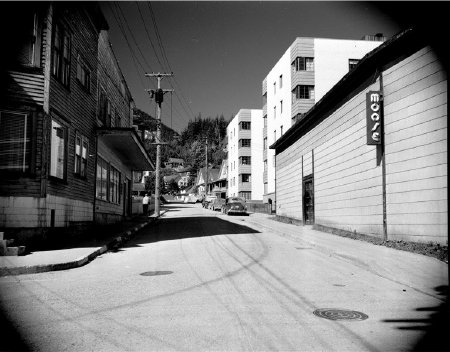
x,y
27,35
281,81
81,152
58,150
265,120
303,92
61,55
246,160
246,195
245,125
244,143
114,184
265,143
104,108
281,106
275,135
83,74
281,130
352,63
265,165
274,87
274,112
102,179
245,178
15,141
303,64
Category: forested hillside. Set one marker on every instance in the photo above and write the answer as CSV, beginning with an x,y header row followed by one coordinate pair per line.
x,y
191,145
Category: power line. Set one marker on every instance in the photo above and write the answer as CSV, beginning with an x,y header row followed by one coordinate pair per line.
x,y
133,56
132,36
148,35
161,46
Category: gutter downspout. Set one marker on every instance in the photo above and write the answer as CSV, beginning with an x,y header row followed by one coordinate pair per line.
x,y
383,162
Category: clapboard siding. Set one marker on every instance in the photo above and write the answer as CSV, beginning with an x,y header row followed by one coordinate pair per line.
x,y
416,148
289,185
26,87
347,182
74,107
302,47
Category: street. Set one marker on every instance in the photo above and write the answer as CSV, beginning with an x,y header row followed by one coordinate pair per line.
x,y
200,280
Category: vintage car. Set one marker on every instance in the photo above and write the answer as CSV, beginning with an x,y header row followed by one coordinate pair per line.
x,y
207,201
216,204
234,205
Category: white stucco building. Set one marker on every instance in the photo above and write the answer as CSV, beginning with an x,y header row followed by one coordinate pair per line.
x,y
308,69
245,151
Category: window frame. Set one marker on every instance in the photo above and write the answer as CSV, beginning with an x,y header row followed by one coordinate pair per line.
x,y
247,158
61,54
243,143
245,125
247,177
303,63
114,185
55,158
352,63
101,182
80,162
26,143
83,74
303,92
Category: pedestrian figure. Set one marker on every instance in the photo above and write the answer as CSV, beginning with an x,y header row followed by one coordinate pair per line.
x,y
145,201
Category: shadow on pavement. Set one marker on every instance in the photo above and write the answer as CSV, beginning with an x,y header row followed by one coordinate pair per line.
x,y
189,227
91,236
435,325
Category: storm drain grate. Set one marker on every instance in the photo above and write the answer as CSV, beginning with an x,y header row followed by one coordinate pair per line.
x,y
156,273
340,314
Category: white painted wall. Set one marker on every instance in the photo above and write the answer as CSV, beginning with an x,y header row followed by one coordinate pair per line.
x,y
331,60
257,154
274,123
233,159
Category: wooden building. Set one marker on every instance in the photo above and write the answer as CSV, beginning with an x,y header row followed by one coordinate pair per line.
x,y
371,156
63,160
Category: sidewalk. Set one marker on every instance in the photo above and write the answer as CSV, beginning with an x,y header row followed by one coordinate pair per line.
x,y
76,253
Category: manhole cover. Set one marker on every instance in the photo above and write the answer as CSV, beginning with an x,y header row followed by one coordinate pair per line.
x,y
340,314
156,273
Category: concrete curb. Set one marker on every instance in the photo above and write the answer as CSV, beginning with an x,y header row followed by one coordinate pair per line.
x,y
34,269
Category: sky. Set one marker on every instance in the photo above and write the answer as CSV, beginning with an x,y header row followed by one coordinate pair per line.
x,y
221,51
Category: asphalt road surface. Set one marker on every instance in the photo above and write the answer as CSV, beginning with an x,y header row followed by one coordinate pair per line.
x,y
198,280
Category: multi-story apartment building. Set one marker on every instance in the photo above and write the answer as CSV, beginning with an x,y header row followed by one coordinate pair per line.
x,y
245,155
308,69
67,148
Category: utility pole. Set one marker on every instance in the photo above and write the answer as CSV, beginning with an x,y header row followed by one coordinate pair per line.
x,y
207,172
158,94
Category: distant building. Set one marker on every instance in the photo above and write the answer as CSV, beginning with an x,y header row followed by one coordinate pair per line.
x,y
220,184
301,77
331,172
203,187
67,148
245,150
174,163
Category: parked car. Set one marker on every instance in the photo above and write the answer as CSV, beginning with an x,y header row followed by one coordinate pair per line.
x,y
217,204
190,199
207,200
234,205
